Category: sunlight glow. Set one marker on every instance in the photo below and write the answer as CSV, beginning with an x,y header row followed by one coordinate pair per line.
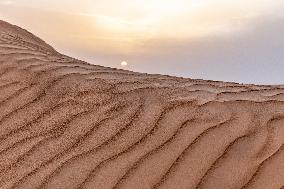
x,y
123,63
125,27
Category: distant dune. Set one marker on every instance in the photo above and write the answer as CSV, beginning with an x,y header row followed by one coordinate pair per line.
x,y
68,124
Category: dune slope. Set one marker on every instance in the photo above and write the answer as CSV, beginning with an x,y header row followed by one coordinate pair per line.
x,y
68,124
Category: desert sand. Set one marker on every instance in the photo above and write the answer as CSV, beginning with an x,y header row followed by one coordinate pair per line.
x,y
65,123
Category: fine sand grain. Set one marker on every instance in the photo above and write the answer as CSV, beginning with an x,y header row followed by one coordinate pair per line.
x,y
68,124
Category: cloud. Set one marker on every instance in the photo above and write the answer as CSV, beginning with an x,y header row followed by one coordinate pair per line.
x,y
256,56
7,2
245,44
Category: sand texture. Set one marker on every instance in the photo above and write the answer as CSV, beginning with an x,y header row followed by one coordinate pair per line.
x,y
68,124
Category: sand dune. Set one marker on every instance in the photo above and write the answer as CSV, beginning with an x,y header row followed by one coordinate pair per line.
x,y
68,124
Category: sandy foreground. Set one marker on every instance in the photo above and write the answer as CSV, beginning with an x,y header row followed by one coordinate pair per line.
x,y
68,124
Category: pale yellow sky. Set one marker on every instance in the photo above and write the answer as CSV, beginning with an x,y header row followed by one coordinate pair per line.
x,y
132,28
125,25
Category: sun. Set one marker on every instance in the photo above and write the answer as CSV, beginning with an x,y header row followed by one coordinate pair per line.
x,y
123,63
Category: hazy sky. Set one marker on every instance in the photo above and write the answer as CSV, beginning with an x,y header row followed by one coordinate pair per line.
x,y
231,40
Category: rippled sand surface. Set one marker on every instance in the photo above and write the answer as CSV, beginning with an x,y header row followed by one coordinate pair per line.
x,y
68,124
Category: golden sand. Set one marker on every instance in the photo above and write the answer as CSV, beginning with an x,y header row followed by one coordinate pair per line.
x,y
68,124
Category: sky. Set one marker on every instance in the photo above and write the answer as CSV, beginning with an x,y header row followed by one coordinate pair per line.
x,y
230,40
